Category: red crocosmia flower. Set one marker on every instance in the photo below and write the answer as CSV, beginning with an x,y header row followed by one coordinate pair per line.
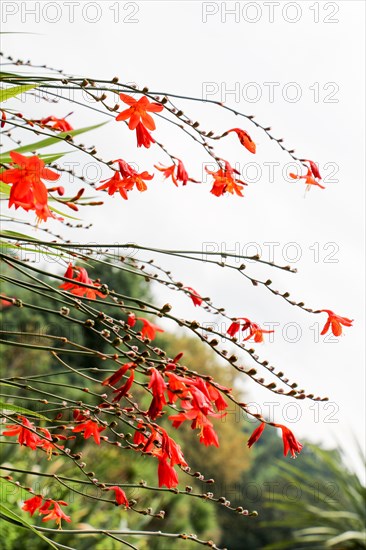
x,y
216,397
114,184
59,123
148,330
79,416
90,429
177,172
255,331
28,190
32,504
116,377
131,320
256,434
208,436
54,513
225,182
138,111
233,328
81,277
314,169
195,297
26,437
47,444
143,137
170,449
120,496
124,168
290,442
176,387
166,474
123,390
308,177
139,437
182,174
138,181
3,119
335,322
158,386
244,139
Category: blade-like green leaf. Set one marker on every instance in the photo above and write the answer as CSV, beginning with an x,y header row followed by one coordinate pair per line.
x,y
51,140
21,410
8,93
11,516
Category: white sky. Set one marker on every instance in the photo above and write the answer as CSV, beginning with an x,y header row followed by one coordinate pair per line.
x,y
170,48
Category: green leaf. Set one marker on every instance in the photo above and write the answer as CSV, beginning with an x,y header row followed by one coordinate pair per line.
x,y
8,93
11,516
51,140
21,410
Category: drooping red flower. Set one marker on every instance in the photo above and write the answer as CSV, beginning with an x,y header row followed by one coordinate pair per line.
x,y
256,434
255,331
32,504
225,181
148,330
244,139
290,442
216,396
47,444
54,513
308,177
208,436
59,123
116,376
335,322
28,190
138,111
123,390
131,320
120,496
90,429
26,437
314,169
195,297
143,137
167,475
233,328
158,387
177,172
125,180
113,185
81,277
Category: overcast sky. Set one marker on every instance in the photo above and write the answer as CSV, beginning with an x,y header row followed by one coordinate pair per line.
x,y
297,66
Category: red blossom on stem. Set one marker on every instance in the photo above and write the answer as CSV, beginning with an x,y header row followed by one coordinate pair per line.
x,y
335,322
26,437
225,182
120,496
58,123
90,429
81,277
256,434
290,443
28,190
54,513
32,504
195,297
148,330
244,139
